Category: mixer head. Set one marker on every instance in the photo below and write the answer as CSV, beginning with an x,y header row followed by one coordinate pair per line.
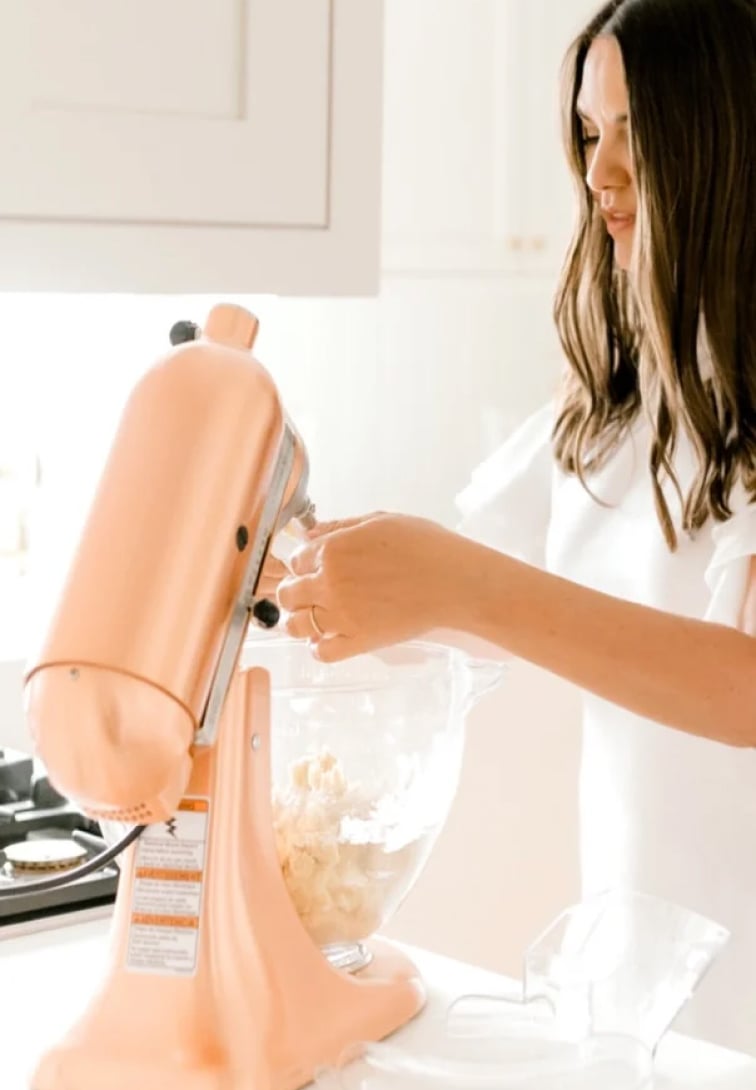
x,y
204,470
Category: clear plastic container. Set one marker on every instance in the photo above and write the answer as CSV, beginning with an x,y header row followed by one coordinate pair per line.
x,y
366,758
623,962
617,967
610,1063
601,987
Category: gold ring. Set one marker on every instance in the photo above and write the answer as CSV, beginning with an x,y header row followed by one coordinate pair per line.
x,y
314,622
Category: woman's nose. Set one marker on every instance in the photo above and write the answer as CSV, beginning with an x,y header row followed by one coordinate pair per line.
x,y
606,168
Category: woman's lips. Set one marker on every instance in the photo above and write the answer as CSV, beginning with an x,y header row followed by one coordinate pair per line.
x,y
617,222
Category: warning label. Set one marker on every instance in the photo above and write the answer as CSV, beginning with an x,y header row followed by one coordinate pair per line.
x,y
167,892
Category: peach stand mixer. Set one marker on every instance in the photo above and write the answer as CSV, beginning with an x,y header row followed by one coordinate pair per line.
x,y
139,712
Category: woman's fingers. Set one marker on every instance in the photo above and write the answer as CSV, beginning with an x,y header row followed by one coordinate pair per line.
x,y
274,568
306,561
338,648
312,624
306,624
298,593
272,574
331,527
376,582
341,524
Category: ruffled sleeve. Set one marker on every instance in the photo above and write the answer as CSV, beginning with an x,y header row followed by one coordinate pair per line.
x,y
728,570
507,504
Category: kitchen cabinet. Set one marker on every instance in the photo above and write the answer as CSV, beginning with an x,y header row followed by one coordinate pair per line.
x,y
231,147
533,189
489,191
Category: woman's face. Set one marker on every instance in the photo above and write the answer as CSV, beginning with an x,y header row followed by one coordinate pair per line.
x,y
603,111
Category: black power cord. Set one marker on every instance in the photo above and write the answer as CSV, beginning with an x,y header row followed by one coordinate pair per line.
x,y
81,871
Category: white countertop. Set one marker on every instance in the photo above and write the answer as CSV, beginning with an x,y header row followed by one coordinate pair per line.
x,y
45,979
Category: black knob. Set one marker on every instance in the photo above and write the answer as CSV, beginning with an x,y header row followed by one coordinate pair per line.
x,y
184,331
266,613
44,794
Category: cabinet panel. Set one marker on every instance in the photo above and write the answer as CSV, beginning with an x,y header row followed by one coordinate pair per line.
x,y
534,199
166,112
479,136
188,57
437,161
178,146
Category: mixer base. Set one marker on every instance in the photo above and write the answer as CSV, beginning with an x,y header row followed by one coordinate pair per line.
x,y
369,1006
261,1008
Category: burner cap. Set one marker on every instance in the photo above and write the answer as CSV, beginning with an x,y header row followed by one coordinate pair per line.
x,y
50,854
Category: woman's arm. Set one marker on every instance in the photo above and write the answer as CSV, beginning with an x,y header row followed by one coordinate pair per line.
x,y
748,613
393,577
473,645
691,675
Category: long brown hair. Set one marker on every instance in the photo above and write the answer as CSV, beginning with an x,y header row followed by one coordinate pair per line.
x,y
676,336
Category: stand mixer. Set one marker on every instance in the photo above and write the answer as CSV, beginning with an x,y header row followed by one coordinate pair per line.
x,y
139,712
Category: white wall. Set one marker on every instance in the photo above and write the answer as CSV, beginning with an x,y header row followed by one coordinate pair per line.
x,y
12,727
398,398
470,350
506,863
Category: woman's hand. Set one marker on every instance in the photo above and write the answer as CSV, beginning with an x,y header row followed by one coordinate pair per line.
x,y
274,571
371,582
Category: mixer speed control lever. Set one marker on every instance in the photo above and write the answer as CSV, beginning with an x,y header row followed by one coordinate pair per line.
x,y
183,331
266,613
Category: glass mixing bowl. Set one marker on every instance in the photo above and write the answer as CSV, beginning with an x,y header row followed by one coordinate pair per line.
x,y
366,756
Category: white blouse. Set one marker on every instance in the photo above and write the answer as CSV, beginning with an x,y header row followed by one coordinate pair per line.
x,y
661,811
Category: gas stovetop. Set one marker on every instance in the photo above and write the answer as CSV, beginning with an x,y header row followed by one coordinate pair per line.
x,y
32,810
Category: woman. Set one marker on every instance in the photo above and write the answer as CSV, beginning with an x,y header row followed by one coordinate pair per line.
x,y
635,493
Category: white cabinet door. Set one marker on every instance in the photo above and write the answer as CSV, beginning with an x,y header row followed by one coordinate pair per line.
x,y
476,130
534,200
186,146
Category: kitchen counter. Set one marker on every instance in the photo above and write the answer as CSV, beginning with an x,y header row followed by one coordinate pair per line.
x,y
45,979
